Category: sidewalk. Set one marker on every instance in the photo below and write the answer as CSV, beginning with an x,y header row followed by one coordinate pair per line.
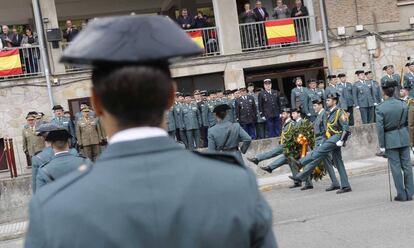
x,y
13,230
353,168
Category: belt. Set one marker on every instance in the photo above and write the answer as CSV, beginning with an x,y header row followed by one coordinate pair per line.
x,y
230,149
396,128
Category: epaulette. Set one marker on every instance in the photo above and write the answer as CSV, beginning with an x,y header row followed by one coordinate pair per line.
x,y
46,193
221,156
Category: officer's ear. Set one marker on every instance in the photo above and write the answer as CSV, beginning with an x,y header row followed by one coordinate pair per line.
x,y
171,95
96,103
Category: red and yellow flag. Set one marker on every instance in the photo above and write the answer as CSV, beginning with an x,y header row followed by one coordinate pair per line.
x,y
197,37
10,63
280,31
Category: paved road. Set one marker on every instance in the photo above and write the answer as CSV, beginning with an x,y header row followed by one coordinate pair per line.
x,y
360,219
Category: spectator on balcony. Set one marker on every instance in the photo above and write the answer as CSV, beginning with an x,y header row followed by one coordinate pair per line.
x,y
200,20
6,37
248,32
31,54
261,16
301,24
70,32
16,37
281,11
184,20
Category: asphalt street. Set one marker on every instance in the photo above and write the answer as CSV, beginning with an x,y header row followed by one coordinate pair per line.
x,y
359,219
318,219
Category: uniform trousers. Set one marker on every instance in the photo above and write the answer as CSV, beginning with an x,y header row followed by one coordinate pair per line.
x,y
402,172
322,152
260,130
193,139
250,129
273,126
91,151
367,114
350,110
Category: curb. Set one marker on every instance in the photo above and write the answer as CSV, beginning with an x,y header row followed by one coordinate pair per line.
x,y
8,237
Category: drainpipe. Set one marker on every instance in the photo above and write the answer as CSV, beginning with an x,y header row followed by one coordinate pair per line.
x,y
42,48
325,35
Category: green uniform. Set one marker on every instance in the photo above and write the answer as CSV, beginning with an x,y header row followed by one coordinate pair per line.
x,y
391,119
409,82
395,77
363,93
32,143
192,122
163,191
226,136
319,127
332,89
337,124
210,117
60,165
298,99
312,94
179,124
89,135
170,118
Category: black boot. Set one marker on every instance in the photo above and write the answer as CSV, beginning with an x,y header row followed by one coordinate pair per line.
x,y
267,169
253,160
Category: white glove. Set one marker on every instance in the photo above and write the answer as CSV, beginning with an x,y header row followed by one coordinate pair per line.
x,y
375,104
382,150
340,143
309,114
412,148
263,118
357,107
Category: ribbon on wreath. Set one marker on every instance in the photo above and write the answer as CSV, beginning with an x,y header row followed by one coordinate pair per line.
x,y
304,142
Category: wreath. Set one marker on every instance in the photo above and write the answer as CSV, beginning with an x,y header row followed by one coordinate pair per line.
x,y
298,142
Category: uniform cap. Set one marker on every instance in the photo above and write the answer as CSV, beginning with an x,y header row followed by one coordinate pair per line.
x,y
368,72
359,72
242,88
331,76
250,85
227,92
267,81
287,110
86,109
57,107
297,110
219,91
387,66
221,108
312,80
58,135
333,96
408,64
187,94
133,40
411,63
46,127
196,92
389,84
317,101
340,75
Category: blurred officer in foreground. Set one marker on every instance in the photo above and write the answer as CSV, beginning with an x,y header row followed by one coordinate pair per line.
x,y
393,138
63,161
145,190
226,136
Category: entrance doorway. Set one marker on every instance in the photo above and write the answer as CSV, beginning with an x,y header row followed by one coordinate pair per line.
x,y
74,105
282,75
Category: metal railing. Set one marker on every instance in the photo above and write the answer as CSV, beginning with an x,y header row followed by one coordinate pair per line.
x,y
20,62
207,39
278,33
74,68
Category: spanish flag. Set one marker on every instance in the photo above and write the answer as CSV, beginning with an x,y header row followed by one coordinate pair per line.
x,y
280,31
197,37
10,63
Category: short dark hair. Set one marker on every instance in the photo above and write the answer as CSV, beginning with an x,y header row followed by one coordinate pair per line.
x,y
221,114
389,91
136,95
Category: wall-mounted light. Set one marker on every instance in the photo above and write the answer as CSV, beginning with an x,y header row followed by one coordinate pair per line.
x,y
359,28
341,31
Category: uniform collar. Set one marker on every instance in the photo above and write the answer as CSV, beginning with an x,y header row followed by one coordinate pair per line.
x,y
321,111
137,133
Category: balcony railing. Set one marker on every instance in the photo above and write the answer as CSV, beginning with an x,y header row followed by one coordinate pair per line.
x,y
278,33
20,62
207,39
74,68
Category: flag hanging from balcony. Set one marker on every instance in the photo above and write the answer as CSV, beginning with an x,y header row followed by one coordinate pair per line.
x,y
10,63
280,31
197,37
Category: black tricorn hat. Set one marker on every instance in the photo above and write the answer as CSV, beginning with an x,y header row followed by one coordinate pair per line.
x,y
57,107
221,108
389,84
297,110
333,96
287,110
133,40
60,134
341,75
368,72
317,101
331,76
359,72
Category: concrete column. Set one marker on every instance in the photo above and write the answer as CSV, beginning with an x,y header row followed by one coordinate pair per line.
x,y
48,9
227,23
314,36
234,78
